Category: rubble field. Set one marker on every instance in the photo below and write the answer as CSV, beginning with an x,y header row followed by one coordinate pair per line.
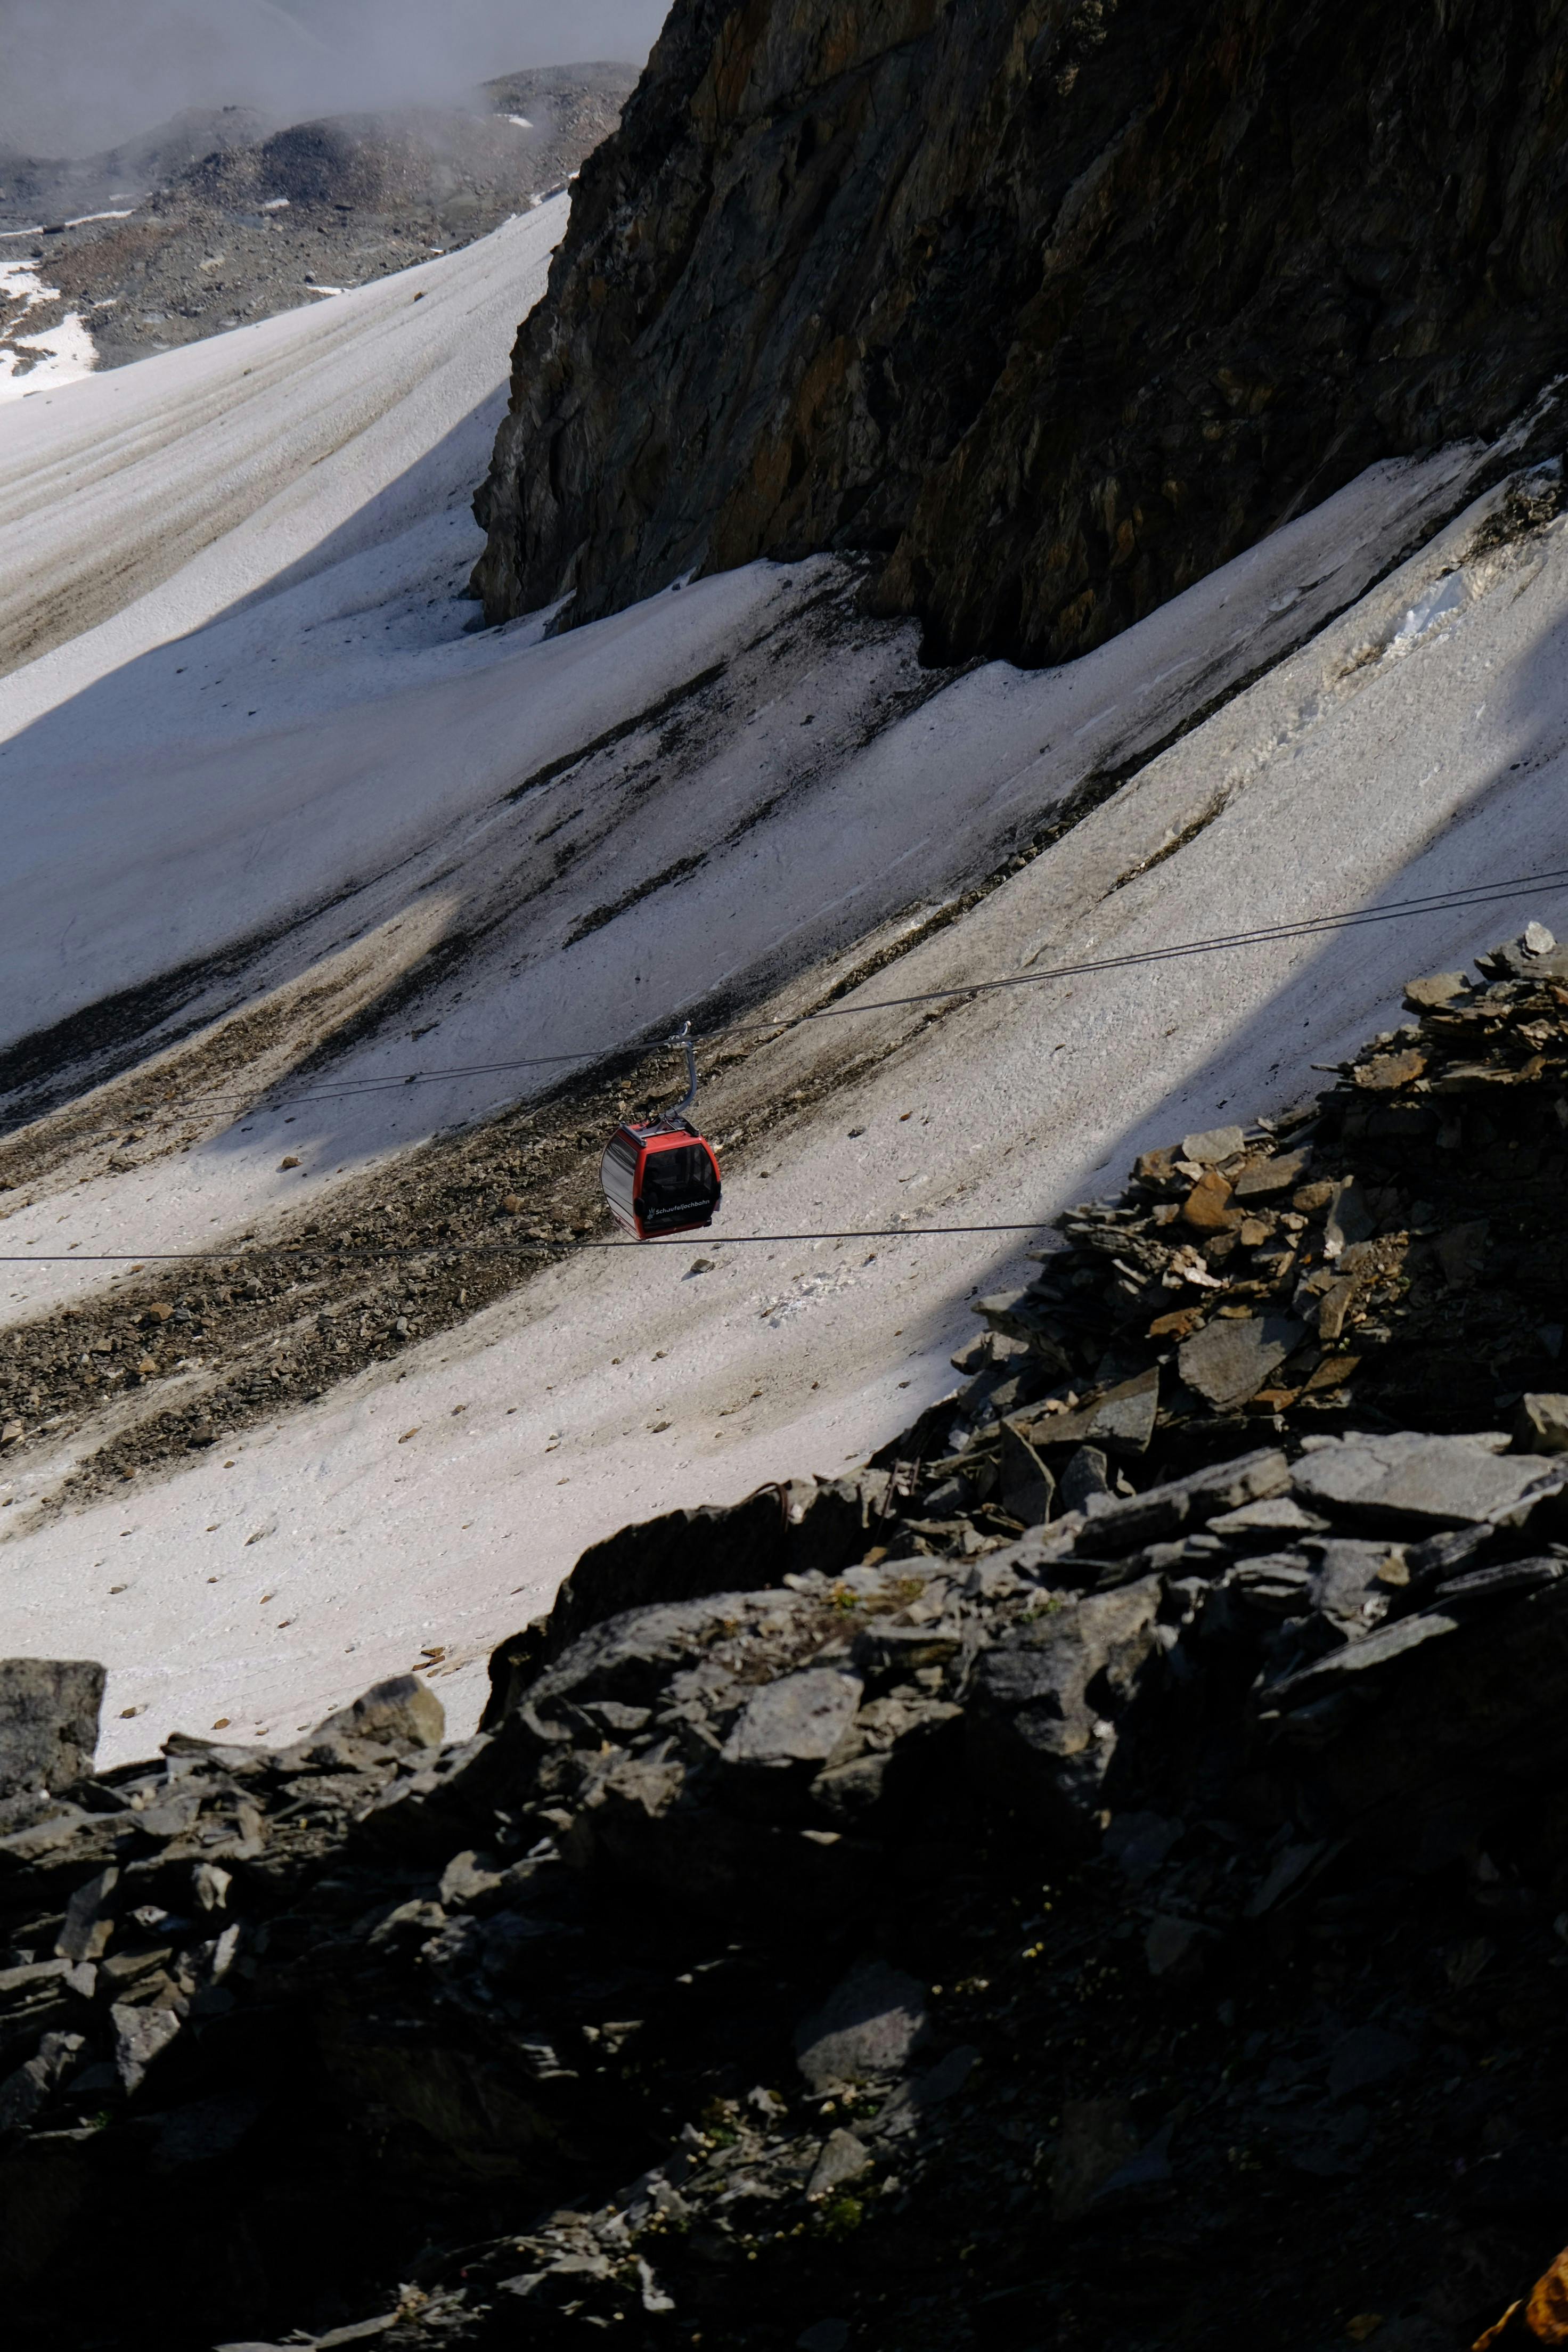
x,y
1099,1875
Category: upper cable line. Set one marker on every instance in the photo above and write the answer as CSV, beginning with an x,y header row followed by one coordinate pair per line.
x,y
348,1089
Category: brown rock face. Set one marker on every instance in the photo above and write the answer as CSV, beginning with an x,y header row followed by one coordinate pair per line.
x,y
1052,305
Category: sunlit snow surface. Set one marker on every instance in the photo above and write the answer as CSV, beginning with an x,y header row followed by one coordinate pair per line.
x,y
261,744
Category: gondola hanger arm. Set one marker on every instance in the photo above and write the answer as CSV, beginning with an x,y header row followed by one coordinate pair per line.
x,y
683,1037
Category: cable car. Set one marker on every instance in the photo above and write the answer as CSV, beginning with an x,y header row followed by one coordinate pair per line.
x,y
663,1178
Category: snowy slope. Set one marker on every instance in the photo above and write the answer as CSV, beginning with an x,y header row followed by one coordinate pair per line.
x,y
283,770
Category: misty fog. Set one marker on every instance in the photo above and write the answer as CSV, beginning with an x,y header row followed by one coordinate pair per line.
x,y
80,75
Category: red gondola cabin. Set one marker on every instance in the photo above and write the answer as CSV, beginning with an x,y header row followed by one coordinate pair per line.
x,y
660,1178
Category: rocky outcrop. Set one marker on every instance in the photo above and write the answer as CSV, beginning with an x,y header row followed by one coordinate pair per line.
x,y
1049,308
687,1995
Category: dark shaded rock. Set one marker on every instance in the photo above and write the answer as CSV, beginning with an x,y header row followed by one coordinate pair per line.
x,y
1027,1487
1042,1716
48,1721
1427,1728
870,2025
1366,2057
844,2158
688,1555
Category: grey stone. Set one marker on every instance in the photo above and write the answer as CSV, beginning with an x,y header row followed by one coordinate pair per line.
x,y
400,1713
824,2335
1173,1947
1026,1487
1124,1420
1145,2177
1022,1314
893,1653
140,2034
1344,1588
1294,1866
1518,959
1541,1424
653,2295
1215,1144
1038,1742
210,1886
1276,1584
1349,1219
1277,1514
689,1557
1415,1484
1134,1520
1495,1583
850,1792
89,1923
59,1828
1374,1651
1227,1363
48,1721
466,1879
1367,2055
912,2100
800,1720
1084,1481
1280,1173
870,2025
1138,1842
23,2094
842,2158
1436,988
205,2130
1097,2139
1462,1252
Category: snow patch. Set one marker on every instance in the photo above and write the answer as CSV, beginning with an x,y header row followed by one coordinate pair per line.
x,y
1444,601
41,358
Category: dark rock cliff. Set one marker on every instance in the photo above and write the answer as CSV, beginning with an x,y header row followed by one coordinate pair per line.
x,y
1052,305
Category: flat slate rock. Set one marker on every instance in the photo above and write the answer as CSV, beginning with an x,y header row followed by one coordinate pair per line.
x,y
1376,1649
1417,1484
800,1720
1215,1144
1228,1362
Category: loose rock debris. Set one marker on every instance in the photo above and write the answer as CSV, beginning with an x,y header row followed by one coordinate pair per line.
x,y
179,1355
1098,1877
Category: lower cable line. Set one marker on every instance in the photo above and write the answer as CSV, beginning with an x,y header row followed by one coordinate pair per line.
x,y
139,1258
